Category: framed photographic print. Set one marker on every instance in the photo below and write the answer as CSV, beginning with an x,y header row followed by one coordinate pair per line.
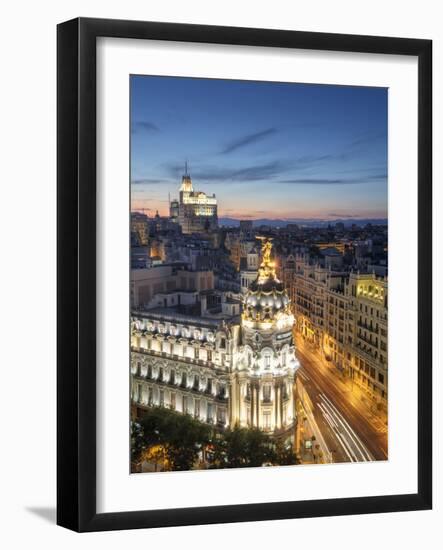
x,y
244,274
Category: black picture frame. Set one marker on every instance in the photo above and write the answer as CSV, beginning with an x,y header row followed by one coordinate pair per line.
x,y
76,281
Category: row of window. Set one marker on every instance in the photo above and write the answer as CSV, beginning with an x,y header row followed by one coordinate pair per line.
x,y
194,382
371,385
180,350
266,392
185,332
182,403
369,370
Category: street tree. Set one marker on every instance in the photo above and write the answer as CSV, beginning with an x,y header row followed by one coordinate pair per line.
x,y
181,436
247,447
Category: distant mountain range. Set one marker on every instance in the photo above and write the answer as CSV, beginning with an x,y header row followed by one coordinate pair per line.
x,y
232,222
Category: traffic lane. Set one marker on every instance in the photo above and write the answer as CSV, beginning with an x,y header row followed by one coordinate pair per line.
x,y
349,439
374,441
332,441
354,397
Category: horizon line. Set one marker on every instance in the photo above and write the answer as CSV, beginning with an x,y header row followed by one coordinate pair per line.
x,y
345,217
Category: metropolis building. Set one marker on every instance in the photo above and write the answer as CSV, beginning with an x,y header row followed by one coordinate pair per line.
x,y
344,315
224,362
197,211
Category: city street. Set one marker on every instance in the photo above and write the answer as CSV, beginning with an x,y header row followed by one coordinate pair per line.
x,y
350,430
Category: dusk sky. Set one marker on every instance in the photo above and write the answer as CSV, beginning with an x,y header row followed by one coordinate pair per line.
x,y
267,150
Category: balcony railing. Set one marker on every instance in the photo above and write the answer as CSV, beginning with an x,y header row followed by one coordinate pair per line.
x,y
368,340
368,326
175,357
220,397
366,352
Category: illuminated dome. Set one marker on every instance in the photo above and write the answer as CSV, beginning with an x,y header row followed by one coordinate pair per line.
x,y
266,299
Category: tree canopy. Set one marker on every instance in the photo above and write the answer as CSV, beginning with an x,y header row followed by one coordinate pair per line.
x,y
242,448
174,440
181,435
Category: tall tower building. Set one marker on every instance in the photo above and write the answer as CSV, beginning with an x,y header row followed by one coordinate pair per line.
x,y
262,390
197,211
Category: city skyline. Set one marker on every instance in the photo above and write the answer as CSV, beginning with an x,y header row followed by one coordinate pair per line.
x,y
267,150
264,344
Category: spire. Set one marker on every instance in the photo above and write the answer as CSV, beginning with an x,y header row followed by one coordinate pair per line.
x,y
186,180
267,266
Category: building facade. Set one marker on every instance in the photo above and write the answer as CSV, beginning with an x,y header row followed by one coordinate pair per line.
x,y
174,208
249,265
140,227
162,281
344,315
224,366
197,211
368,311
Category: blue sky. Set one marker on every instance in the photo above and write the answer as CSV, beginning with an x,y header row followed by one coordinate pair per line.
x,y
267,150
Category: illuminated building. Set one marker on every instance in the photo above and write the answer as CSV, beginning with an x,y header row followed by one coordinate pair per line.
x,y
266,372
182,359
368,304
197,211
343,315
199,354
140,227
308,287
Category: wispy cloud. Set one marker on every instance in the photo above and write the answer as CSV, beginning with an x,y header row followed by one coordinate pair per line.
x,y
148,181
144,126
313,160
246,140
335,181
216,174
257,172
306,169
367,139
320,181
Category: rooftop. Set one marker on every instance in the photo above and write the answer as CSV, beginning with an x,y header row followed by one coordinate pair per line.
x,y
330,251
178,316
